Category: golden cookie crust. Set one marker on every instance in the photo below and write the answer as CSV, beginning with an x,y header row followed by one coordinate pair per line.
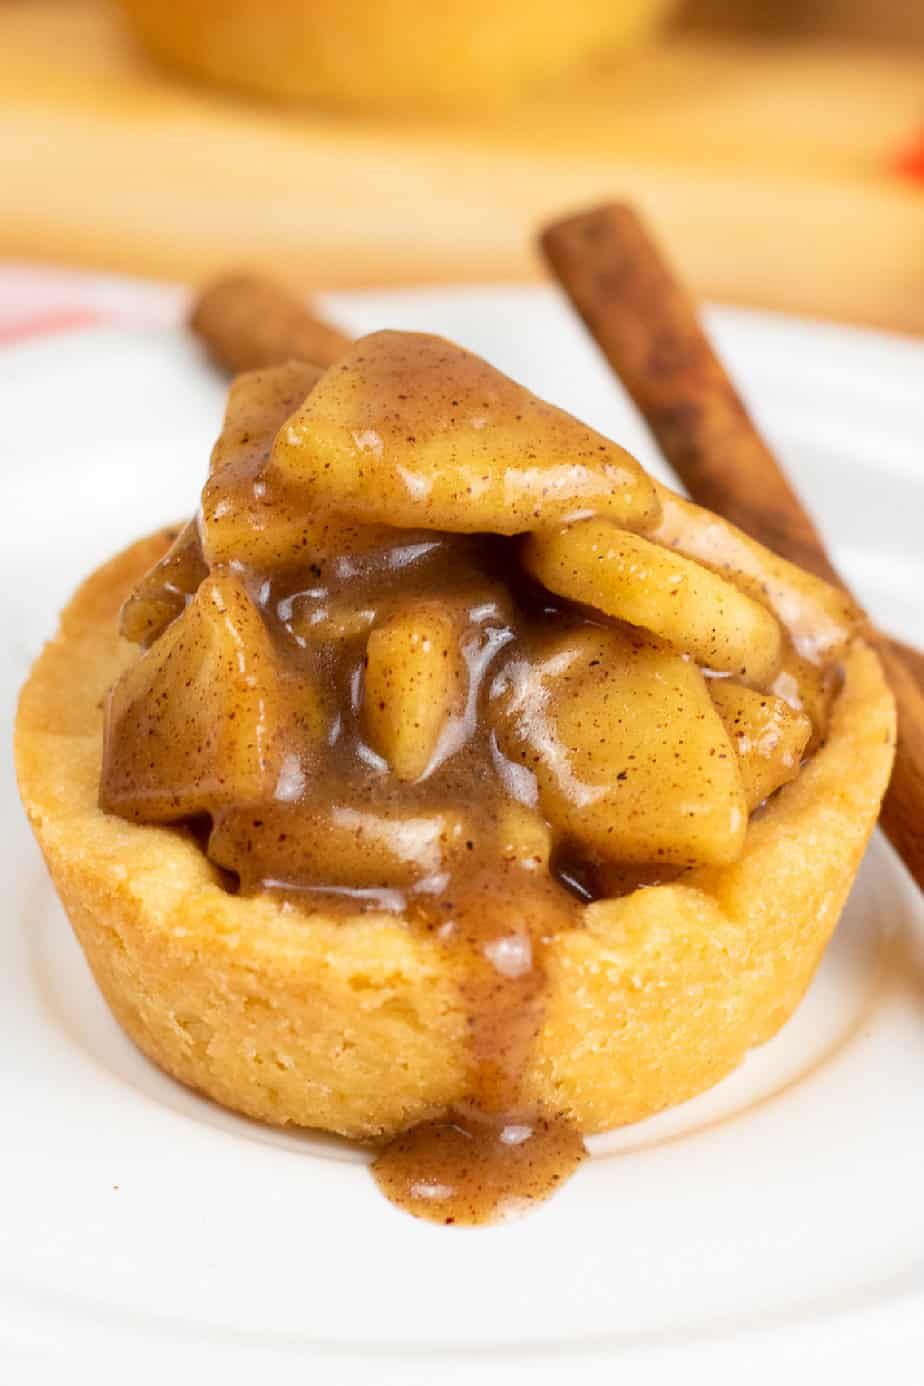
x,y
355,1025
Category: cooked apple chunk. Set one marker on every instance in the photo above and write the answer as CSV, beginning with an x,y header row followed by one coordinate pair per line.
x,y
626,576
329,623
162,594
415,681
204,718
768,735
820,619
630,756
279,844
524,837
247,517
409,429
808,688
258,401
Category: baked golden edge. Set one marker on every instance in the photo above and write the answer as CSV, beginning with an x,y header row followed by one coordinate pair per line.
x,y
355,1025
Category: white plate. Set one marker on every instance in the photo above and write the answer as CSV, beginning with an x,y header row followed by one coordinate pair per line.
x,y
775,1222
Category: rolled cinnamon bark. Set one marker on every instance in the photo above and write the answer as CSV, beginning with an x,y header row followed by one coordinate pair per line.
x,y
648,329
247,322
911,658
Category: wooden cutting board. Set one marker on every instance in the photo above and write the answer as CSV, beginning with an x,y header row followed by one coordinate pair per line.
x,y
769,169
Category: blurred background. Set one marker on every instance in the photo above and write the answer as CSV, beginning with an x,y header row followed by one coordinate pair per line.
x,y
777,145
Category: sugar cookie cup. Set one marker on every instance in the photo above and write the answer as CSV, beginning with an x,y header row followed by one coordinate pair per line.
x,y
356,1025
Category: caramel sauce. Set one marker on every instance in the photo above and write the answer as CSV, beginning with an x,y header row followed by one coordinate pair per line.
x,y
310,628
433,851
470,1170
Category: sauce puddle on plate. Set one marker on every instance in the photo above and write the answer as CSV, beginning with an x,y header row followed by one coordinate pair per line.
x,y
470,1169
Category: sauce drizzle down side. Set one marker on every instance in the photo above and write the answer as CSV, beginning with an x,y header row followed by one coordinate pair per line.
x,y
455,843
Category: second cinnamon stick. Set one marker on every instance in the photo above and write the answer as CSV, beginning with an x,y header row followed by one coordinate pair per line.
x,y
247,322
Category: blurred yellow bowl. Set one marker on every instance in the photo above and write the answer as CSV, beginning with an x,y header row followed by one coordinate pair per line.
x,y
388,55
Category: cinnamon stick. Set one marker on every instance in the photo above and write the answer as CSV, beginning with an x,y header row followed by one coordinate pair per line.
x,y
649,331
247,322
912,659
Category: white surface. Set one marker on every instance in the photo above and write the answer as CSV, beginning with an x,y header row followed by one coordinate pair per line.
x,y
773,1224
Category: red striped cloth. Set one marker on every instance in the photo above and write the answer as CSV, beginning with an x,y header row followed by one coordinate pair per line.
x,y
910,161
36,300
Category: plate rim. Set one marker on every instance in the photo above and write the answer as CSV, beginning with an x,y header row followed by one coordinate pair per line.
x,y
735,315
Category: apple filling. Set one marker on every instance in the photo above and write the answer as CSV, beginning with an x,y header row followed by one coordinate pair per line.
x,y
434,648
